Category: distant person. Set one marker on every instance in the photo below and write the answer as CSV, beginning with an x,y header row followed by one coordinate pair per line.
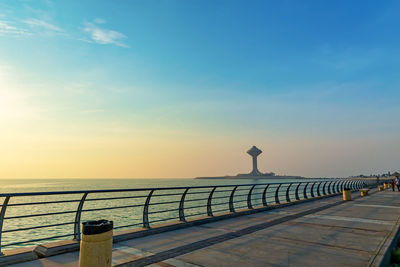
x,y
398,183
392,183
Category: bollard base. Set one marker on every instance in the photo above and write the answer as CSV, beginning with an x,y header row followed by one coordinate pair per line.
x,y
346,195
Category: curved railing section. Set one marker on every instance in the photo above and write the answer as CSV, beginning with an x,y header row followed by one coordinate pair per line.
x,y
32,218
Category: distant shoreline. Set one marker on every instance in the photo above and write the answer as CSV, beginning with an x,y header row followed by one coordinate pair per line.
x,y
252,177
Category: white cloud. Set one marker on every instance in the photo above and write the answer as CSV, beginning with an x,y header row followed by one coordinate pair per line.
x,y
104,36
42,24
99,21
7,28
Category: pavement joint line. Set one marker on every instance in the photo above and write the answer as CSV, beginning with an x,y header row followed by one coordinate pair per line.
x,y
321,244
337,226
178,251
349,219
377,206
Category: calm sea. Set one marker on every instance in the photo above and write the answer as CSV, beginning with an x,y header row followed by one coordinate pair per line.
x,y
128,216
45,185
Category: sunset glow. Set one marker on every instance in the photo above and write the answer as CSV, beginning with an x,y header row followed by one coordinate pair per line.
x,y
158,92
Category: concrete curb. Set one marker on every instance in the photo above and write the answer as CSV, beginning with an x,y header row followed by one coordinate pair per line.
x,y
383,257
18,255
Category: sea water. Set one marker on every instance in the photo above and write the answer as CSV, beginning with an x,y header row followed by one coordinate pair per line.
x,y
195,204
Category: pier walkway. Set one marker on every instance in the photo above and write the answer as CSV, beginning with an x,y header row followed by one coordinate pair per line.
x,y
326,232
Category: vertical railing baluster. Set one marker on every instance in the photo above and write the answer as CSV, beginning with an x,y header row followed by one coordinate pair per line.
x,y
277,194
77,223
318,192
323,189
146,223
249,204
329,188
231,204
335,187
181,206
305,191
338,187
209,202
287,192
264,196
312,190
296,193
2,216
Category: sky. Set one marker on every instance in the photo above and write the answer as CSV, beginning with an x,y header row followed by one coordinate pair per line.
x,y
165,89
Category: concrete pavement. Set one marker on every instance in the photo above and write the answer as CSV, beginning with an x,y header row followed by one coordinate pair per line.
x,y
327,232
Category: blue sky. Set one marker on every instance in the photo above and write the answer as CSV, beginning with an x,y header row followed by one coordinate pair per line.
x,y
283,75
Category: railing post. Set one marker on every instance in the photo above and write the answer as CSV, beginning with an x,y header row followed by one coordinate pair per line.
x,y
264,196
329,188
231,205
296,193
2,214
323,189
146,223
209,202
77,224
305,191
342,186
334,187
287,192
181,206
249,205
277,194
318,192
312,189
338,187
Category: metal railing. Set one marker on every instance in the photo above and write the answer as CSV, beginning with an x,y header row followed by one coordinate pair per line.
x,y
144,207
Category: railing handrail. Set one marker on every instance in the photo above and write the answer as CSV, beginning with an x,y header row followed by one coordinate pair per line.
x,y
150,188
275,198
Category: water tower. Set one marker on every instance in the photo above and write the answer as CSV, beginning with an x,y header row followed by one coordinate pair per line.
x,y
254,152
